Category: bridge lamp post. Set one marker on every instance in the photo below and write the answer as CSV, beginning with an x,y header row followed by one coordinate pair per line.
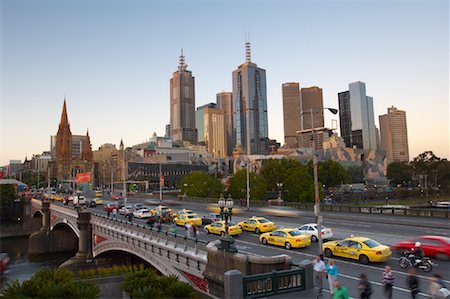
x,y
319,219
226,210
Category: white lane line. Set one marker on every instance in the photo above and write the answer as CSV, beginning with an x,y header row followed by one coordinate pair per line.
x,y
380,284
341,261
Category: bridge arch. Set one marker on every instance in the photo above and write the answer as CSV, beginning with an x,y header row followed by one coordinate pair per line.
x,y
37,213
72,226
149,257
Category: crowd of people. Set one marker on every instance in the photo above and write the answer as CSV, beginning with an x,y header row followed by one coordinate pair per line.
x,y
329,271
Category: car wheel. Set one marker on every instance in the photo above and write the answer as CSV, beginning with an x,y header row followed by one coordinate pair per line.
x,y
314,238
257,231
328,252
363,259
287,245
264,240
207,230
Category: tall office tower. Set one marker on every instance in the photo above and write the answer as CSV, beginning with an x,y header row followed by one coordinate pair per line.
x,y
200,120
394,135
291,113
225,102
250,107
311,97
182,105
357,118
167,134
214,132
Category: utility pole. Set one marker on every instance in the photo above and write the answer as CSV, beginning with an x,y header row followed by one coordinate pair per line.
x,y
316,186
160,181
124,178
248,184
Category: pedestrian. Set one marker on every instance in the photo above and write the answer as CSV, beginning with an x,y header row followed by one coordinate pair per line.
x,y
413,283
173,228
188,228
388,281
332,274
364,287
108,212
319,273
130,216
194,230
434,286
158,225
114,212
340,292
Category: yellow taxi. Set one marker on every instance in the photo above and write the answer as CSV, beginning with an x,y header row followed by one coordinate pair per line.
x,y
214,208
98,194
358,248
160,210
183,212
98,201
218,228
287,237
257,225
183,219
57,197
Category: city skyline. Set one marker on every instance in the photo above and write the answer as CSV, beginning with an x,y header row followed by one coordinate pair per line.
x,y
116,82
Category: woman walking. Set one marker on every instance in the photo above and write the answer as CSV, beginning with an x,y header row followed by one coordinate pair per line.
x,y
365,289
332,273
413,283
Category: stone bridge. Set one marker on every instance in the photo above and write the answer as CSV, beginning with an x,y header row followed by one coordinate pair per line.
x,y
97,234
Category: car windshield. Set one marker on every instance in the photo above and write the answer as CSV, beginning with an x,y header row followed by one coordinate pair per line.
x,y
371,243
263,220
231,223
191,216
295,232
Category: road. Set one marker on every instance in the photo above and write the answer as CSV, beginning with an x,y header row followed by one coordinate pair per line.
x,y
386,229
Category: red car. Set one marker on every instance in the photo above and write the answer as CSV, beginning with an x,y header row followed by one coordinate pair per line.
x,y
111,206
433,246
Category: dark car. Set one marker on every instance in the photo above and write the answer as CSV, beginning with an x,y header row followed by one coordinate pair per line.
x,y
210,218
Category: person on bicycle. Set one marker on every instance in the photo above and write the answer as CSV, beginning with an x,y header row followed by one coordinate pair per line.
x,y
417,254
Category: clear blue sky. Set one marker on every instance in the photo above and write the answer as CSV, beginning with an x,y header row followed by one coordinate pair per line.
x,y
113,61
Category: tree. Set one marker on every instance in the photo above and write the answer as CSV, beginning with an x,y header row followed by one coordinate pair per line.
x,y
355,174
7,196
238,185
274,170
399,173
425,167
51,283
300,185
201,184
332,174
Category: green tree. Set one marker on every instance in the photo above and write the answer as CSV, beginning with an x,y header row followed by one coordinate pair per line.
x,y
7,196
201,184
399,173
238,185
274,170
355,174
332,174
299,185
51,283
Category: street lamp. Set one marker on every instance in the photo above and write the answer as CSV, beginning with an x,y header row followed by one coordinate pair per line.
x,y
280,186
319,218
226,210
185,189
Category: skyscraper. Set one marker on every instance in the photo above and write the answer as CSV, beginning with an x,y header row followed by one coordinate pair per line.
x,y
291,113
357,118
224,101
250,107
311,97
394,135
182,105
214,132
200,120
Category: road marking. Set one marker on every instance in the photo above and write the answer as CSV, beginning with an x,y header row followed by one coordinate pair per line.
x,y
341,261
380,284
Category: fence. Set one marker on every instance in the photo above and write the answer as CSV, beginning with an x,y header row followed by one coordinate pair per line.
x,y
272,283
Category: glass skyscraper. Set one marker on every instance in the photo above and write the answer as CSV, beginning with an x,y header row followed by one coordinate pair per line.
x,y
357,118
250,107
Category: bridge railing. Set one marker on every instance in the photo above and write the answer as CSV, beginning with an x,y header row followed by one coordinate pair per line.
x,y
275,282
160,235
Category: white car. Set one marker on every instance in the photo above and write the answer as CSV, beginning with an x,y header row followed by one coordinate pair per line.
x,y
142,213
126,210
311,229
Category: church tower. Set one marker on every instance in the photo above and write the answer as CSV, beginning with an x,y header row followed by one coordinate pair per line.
x,y
64,147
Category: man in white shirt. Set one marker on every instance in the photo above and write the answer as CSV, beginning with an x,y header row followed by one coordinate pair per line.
x,y
319,272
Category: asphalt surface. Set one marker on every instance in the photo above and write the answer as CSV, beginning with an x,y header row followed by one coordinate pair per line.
x,y
386,229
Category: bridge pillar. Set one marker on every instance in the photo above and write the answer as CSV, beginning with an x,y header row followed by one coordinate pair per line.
x,y
84,241
46,217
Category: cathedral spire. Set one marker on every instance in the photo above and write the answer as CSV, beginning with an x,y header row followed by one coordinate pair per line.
x,y
64,117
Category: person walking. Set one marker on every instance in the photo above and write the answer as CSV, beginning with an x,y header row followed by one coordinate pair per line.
x,y
364,287
340,292
434,286
413,283
188,227
114,213
388,282
194,230
332,273
319,273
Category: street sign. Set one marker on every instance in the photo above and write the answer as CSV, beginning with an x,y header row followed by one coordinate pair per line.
x,y
161,180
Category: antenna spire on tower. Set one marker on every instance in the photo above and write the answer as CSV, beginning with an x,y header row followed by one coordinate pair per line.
x,y
182,64
248,57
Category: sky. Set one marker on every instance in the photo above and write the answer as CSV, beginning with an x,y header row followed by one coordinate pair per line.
x,y
113,60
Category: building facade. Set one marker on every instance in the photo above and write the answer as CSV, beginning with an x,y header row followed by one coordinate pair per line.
x,y
182,105
250,107
291,113
214,130
357,118
200,121
311,98
394,135
224,101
